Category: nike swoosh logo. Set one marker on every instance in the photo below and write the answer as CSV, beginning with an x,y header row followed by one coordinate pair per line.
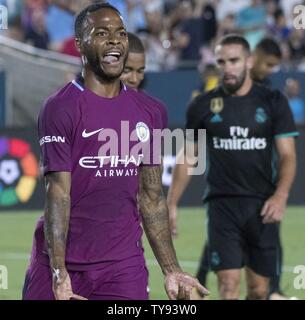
x,y
89,134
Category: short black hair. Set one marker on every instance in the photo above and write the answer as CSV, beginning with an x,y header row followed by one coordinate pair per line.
x,y
135,44
82,16
278,14
269,47
233,38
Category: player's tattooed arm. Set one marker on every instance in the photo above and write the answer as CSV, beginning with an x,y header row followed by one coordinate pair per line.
x,y
57,216
154,213
178,284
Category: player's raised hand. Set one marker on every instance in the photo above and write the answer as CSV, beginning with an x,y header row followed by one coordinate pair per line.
x,y
172,213
62,287
179,286
274,208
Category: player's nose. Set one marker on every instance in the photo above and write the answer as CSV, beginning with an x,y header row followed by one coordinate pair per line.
x,y
113,39
133,78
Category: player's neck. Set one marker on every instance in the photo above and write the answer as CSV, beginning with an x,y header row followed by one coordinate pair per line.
x,y
101,87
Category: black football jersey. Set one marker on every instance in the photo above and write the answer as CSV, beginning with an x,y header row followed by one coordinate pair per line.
x,y
240,139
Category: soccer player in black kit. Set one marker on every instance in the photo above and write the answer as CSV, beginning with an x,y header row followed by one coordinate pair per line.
x,y
266,56
245,124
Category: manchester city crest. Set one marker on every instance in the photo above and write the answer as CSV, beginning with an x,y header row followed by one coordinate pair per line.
x,y
142,131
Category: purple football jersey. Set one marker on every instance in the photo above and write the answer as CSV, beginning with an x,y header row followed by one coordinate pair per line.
x,y
75,129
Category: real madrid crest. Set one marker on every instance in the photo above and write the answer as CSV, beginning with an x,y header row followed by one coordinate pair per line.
x,y
142,131
216,105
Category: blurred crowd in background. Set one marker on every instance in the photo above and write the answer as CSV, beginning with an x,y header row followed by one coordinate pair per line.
x,y
177,34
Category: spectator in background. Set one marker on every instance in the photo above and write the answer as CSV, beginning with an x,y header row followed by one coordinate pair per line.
x,y
252,22
271,7
280,29
71,7
229,7
29,7
198,28
175,29
209,80
190,38
297,106
36,33
209,22
160,46
296,45
60,26
226,26
133,13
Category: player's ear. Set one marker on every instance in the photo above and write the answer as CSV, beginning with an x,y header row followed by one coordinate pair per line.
x,y
250,62
78,45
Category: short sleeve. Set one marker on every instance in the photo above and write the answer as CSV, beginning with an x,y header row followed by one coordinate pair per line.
x,y
283,124
153,151
161,118
55,127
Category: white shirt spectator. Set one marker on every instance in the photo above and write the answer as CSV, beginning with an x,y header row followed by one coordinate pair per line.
x,y
226,7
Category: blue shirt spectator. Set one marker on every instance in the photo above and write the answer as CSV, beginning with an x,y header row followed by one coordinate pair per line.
x,y
297,107
59,25
252,21
292,89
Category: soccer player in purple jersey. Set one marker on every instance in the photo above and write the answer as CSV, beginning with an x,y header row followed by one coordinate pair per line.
x,y
88,244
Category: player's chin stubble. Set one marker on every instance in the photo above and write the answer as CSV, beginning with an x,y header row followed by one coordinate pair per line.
x,y
95,65
232,88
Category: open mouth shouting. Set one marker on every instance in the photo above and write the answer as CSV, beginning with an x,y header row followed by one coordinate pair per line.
x,y
112,57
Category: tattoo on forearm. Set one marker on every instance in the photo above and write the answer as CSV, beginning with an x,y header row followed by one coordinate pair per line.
x,y
57,214
155,218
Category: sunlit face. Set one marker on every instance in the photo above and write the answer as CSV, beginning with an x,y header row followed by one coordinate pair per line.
x,y
104,45
263,65
133,73
234,63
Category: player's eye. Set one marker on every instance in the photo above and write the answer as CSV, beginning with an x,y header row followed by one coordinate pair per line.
x,y
123,34
101,34
235,60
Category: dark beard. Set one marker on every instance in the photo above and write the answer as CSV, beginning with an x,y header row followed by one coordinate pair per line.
x,y
232,88
95,66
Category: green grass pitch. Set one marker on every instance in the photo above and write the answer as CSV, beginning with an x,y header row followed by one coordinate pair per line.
x,y
16,231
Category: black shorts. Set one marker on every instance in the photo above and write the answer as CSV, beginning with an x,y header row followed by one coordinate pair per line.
x,y
237,237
